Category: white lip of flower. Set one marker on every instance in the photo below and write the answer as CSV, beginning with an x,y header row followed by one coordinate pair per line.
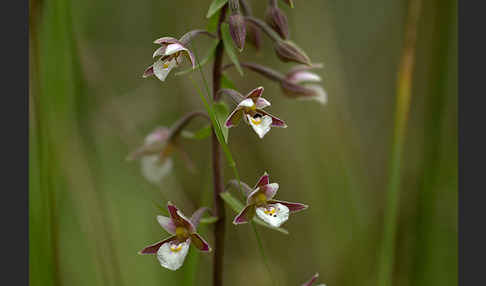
x,y
261,125
171,254
153,170
274,214
162,68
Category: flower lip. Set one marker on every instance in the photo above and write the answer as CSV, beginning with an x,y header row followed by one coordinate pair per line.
x,y
273,214
260,124
260,202
172,254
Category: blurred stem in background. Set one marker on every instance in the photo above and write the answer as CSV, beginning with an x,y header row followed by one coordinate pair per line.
x,y
404,89
58,160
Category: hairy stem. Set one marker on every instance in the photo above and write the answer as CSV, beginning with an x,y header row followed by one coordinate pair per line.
x,y
404,94
219,226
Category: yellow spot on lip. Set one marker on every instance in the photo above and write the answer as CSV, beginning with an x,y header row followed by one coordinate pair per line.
x,y
270,210
165,66
176,247
256,121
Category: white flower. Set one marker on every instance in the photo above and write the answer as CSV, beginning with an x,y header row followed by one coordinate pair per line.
x,y
171,53
250,108
172,252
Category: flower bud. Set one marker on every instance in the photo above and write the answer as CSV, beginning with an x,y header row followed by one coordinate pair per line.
x,y
277,20
234,5
287,51
308,91
237,27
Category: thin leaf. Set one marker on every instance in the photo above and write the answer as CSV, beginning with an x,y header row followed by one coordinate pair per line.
x,y
161,209
237,206
217,127
226,82
201,134
221,110
215,6
229,48
212,25
204,61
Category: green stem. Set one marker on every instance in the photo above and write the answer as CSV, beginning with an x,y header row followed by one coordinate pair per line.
x,y
404,86
262,250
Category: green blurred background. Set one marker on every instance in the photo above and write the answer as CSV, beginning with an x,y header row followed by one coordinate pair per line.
x,y
90,211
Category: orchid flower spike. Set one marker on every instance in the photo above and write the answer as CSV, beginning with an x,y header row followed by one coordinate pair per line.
x,y
251,109
171,54
260,202
172,251
312,280
300,83
156,154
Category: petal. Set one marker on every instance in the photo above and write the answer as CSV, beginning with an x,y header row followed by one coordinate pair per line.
x,y
320,94
167,224
293,207
273,214
270,190
199,242
260,125
261,103
249,199
264,180
304,76
254,94
234,118
148,72
154,170
311,281
159,52
192,58
171,255
153,248
276,122
162,68
174,48
246,103
179,218
154,143
160,134
196,216
245,215
165,40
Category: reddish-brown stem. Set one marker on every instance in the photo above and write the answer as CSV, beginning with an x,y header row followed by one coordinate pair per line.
x,y
219,226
